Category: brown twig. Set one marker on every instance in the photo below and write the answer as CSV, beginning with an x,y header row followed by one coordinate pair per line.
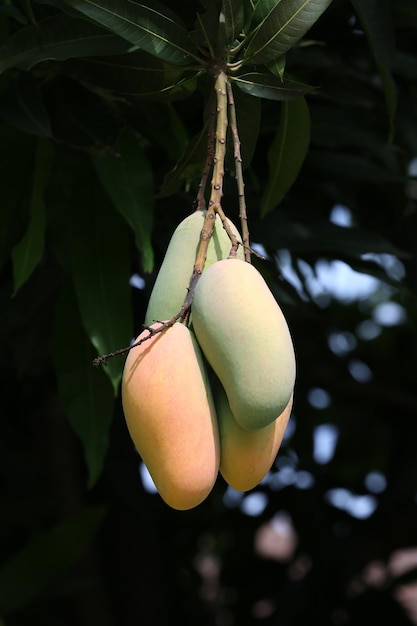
x,y
239,174
201,200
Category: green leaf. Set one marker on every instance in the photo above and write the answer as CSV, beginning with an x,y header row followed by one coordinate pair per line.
x,y
233,13
271,87
188,166
377,22
16,167
29,251
287,152
22,106
248,115
101,277
137,74
35,569
85,391
285,23
58,38
153,28
128,180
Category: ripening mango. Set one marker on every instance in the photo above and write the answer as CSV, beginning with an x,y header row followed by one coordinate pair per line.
x,y
170,415
170,288
246,456
245,338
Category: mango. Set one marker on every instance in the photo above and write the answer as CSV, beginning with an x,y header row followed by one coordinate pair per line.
x,y
247,456
170,287
246,340
171,417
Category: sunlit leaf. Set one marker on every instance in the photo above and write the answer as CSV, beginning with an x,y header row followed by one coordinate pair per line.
x,y
85,391
128,180
28,252
38,565
282,27
58,38
287,152
269,86
153,28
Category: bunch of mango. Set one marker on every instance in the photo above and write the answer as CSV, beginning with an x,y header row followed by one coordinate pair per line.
x,y
215,394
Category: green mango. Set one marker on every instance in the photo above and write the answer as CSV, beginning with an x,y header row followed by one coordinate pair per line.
x,y
245,338
170,288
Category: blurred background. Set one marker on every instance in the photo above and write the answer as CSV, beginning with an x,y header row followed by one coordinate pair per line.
x,y
330,535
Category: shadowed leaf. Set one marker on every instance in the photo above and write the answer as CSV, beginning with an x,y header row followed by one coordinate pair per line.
x,y
287,152
128,180
58,38
153,28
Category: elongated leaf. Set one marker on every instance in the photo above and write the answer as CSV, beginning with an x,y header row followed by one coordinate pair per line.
x,y
16,167
85,391
136,74
207,29
139,75
101,277
262,11
153,28
376,20
287,152
22,106
128,180
233,18
282,28
58,38
28,252
34,569
188,167
269,86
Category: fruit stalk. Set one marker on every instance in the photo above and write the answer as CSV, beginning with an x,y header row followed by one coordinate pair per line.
x,y
220,87
239,174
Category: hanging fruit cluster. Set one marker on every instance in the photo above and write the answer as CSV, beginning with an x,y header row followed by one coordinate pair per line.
x,y
208,385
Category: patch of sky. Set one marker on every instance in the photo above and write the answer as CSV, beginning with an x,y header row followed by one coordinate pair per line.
x,y
368,330
137,281
375,482
325,438
389,314
319,398
146,478
341,343
360,371
341,216
360,506
254,503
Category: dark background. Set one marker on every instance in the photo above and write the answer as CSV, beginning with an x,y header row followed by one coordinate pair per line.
x,y
317,542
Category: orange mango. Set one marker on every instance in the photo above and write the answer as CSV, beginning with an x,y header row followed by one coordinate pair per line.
x,y
170,415
247,456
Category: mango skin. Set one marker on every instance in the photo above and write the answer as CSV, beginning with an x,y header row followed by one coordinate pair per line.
x,y
171,284
247,456
245,338
170,415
